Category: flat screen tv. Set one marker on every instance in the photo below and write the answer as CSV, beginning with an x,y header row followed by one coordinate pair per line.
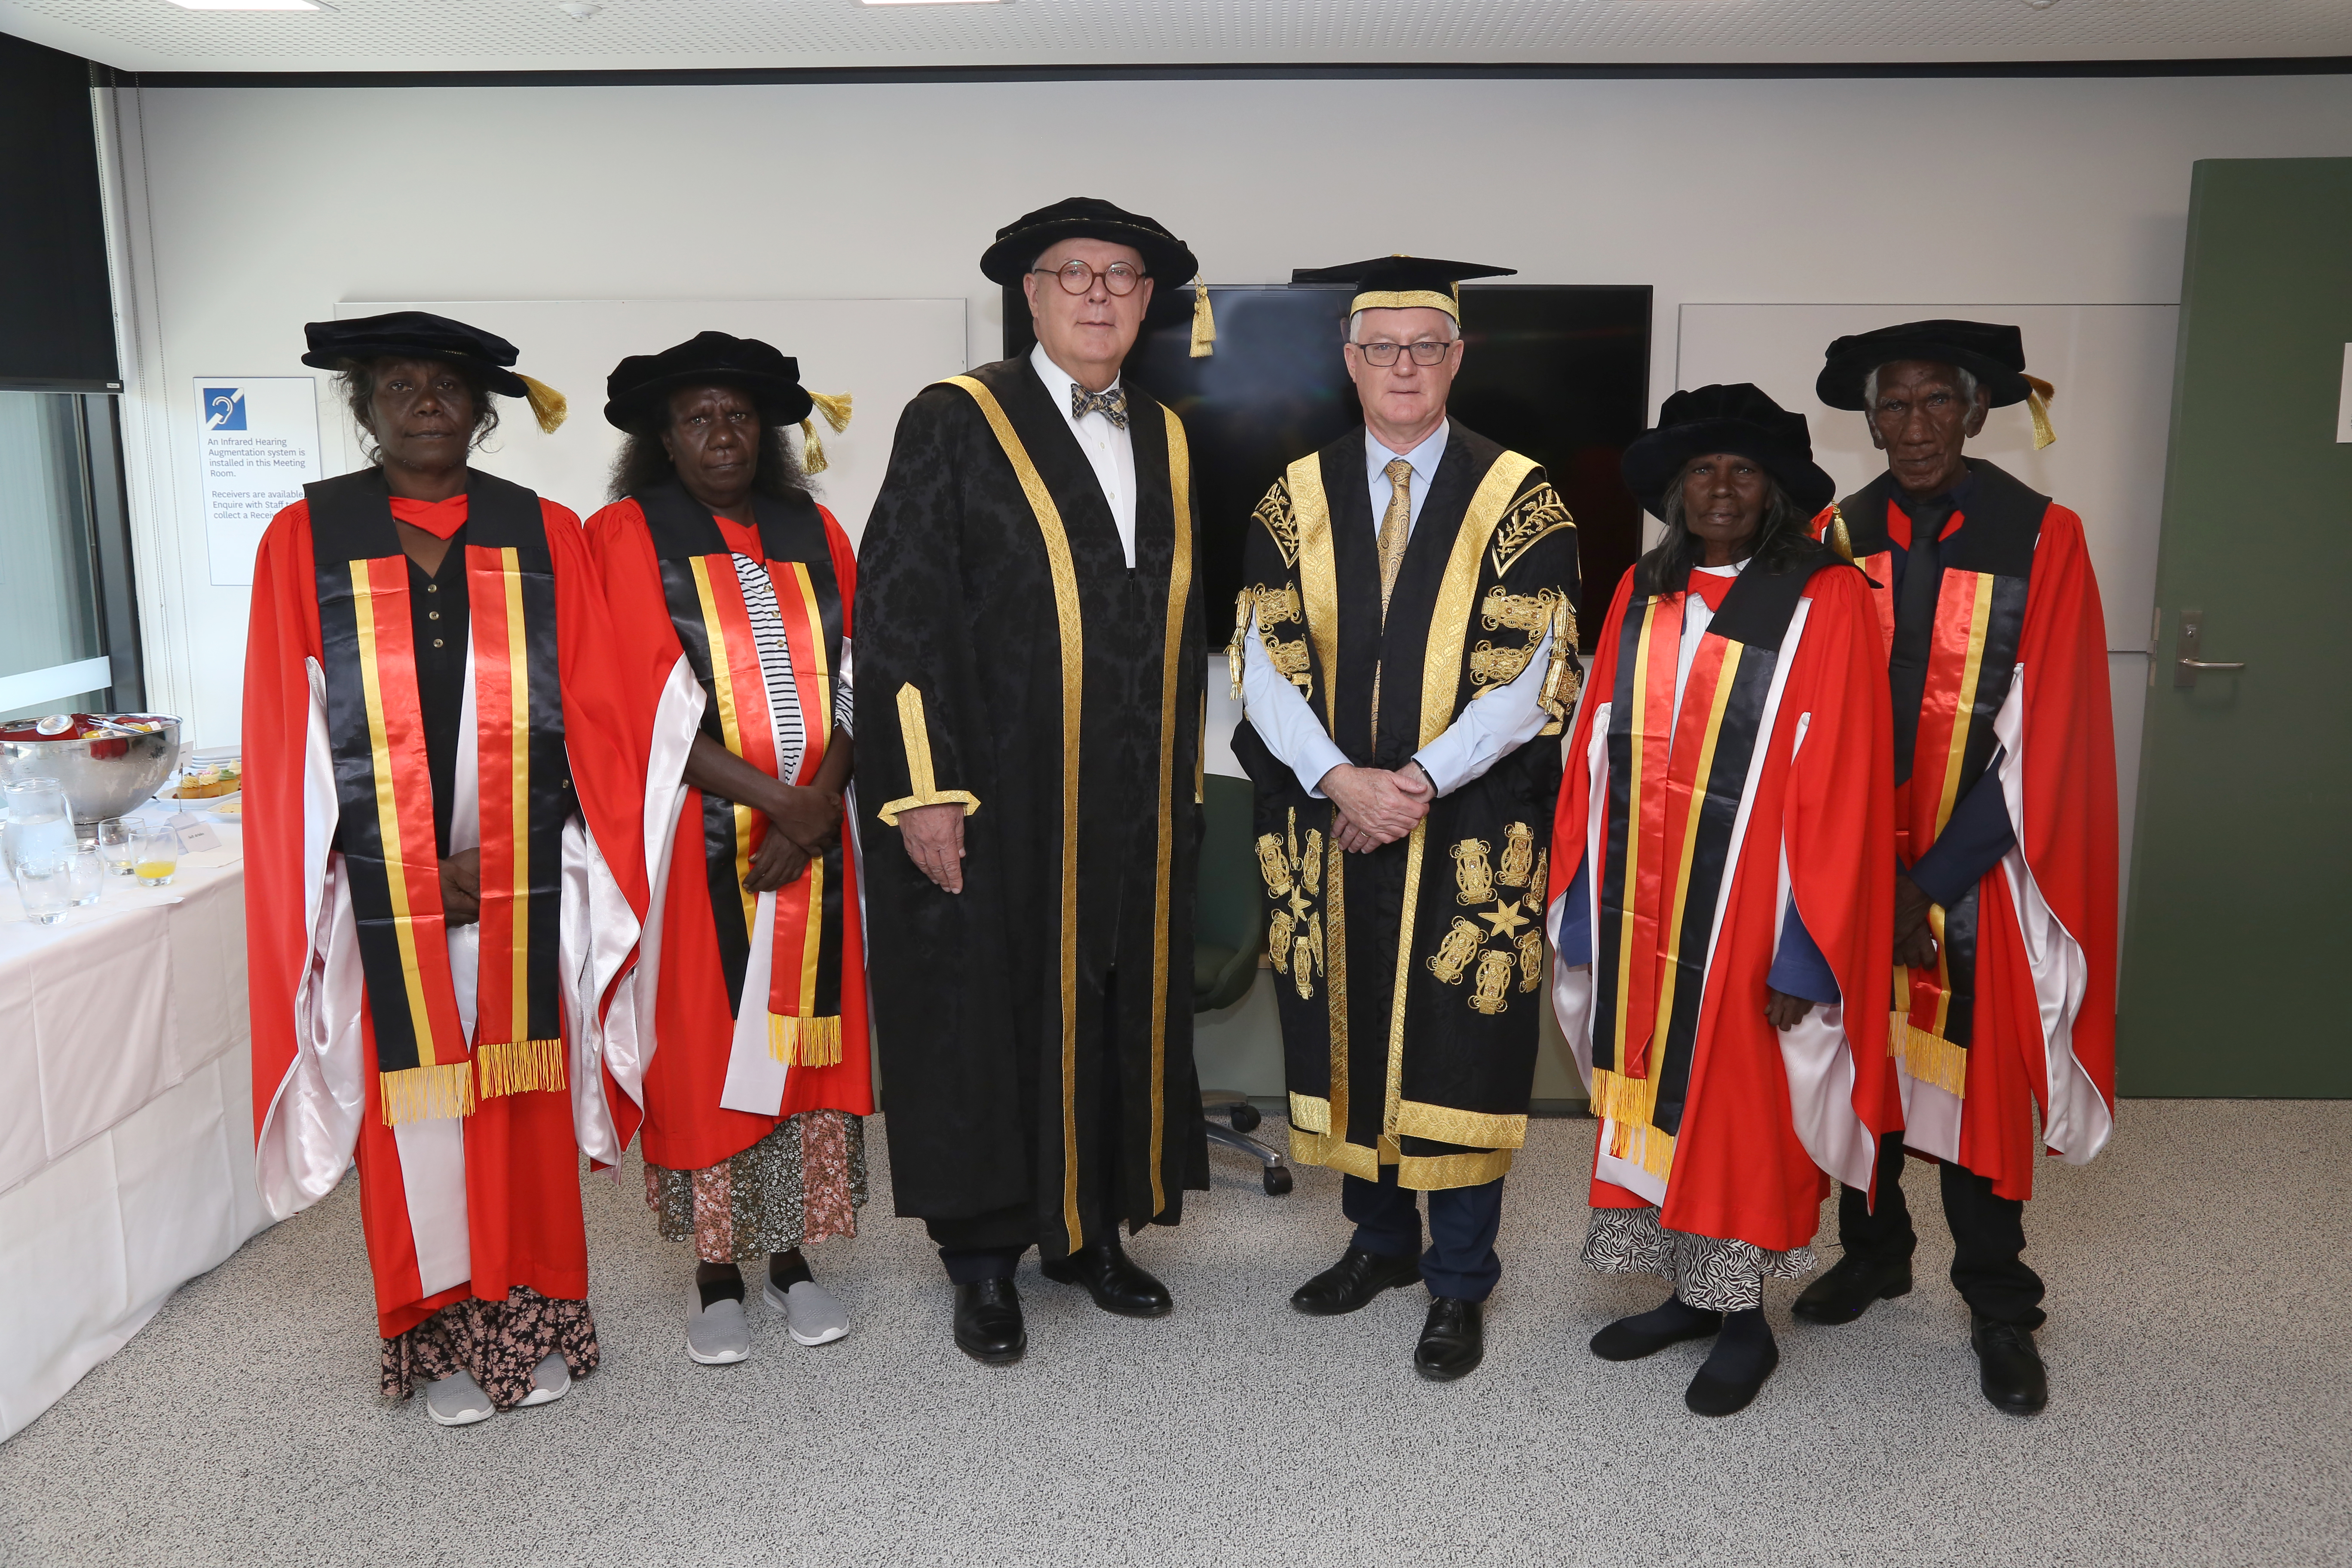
x,y
1560,373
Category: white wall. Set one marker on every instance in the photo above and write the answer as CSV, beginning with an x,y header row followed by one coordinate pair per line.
x,y
245,212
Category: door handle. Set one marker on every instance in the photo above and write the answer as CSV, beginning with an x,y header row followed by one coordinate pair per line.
x,y
2186,664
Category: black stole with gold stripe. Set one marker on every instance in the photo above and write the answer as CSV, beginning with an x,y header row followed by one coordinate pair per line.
x,y
1675,794
716,636
1944,745
384,788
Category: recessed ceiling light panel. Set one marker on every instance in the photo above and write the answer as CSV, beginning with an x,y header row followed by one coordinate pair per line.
x,y
251,6
931,2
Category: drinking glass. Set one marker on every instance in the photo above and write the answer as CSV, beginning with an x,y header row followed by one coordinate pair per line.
x,y
158,854
40,822
114,846
85,876
45,885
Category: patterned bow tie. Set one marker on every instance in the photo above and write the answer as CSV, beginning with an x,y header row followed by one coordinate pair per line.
x,y
1111,404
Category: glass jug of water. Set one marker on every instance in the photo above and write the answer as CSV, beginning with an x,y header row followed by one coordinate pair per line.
x,y
40,822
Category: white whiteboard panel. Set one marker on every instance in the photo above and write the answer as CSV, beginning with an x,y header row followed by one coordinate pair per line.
x,y
881,352
2111,365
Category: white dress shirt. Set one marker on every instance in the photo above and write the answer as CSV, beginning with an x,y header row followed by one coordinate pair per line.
x,y
1107,447
1497,720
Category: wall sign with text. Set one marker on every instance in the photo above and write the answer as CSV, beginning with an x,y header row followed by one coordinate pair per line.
x,y
256,447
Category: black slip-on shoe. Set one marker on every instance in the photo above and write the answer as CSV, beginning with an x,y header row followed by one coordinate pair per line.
x,y
1712,1394
1647,1333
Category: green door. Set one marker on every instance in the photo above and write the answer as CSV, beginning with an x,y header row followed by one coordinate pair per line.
x,y
2235,940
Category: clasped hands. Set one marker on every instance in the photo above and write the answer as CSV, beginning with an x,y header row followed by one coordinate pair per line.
x,y
1372,806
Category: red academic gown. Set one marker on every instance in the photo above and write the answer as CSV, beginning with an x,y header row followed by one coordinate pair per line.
x,y
453,1207
1773,787
705,1077
2043,1034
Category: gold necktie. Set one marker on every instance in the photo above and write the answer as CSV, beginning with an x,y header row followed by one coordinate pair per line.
x,y
1394,528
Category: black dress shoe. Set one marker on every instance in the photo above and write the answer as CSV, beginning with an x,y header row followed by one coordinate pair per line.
x,y
1356,1279
988,1325
1453,1341
1852,1284
1112,1279
2010,1368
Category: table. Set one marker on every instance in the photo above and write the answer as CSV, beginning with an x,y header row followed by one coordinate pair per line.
x,y
126,1120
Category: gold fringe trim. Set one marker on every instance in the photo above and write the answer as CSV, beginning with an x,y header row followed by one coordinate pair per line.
x,y
548,406
519,1067
805,1042
1628,1104
2038,394
1204,322
1928,1057
426,1093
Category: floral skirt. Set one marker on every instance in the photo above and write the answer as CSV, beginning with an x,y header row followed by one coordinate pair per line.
x,y
802,1183
1706,1272
498,1341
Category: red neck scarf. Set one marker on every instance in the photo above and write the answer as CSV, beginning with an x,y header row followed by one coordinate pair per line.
x,y
441,519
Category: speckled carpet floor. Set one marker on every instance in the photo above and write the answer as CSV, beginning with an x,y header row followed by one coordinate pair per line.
x,y
2198,1344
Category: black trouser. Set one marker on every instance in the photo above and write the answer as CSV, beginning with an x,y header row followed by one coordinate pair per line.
x,y
989,1246
1987,1234
1460,1261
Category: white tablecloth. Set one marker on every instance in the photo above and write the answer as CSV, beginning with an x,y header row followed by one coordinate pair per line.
x,y
126,1120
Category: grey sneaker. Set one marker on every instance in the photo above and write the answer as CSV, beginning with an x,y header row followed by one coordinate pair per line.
x,y
716,1334
810,1314
551,1380
457,1400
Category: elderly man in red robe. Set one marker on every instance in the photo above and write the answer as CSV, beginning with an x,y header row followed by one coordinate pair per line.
x,y
2005,828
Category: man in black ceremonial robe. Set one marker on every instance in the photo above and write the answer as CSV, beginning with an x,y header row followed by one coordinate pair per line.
x,y
1407,637
1029,638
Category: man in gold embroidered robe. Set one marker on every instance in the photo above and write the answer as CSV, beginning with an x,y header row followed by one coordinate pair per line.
x,y
1406,637
1030,642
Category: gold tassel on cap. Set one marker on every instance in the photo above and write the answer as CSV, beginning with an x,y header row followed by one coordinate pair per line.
x,y
2038,394
834,406
1204,321
546,405
1840,540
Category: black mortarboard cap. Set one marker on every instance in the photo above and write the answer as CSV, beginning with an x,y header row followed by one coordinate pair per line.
x,y
639,383
1738,418
1404,282
414,335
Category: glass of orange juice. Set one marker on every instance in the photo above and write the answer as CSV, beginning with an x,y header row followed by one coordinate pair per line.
x,y
157,854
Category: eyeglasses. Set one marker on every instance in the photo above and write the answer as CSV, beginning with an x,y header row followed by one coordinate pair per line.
x,y
1385,354
1077,277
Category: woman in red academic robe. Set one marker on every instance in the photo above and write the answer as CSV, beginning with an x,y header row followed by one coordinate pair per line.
x,y
1720,888
731,589
444,882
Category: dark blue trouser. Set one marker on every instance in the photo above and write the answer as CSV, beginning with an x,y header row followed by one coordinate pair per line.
x,y
1460,1261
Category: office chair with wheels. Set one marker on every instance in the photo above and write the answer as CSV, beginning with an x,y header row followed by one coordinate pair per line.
x,y
1228,938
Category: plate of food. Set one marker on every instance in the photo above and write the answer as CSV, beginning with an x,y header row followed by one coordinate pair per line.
x,y
207,786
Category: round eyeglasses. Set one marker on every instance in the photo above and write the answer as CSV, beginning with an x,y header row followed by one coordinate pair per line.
x,y
1077,277
1385,354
